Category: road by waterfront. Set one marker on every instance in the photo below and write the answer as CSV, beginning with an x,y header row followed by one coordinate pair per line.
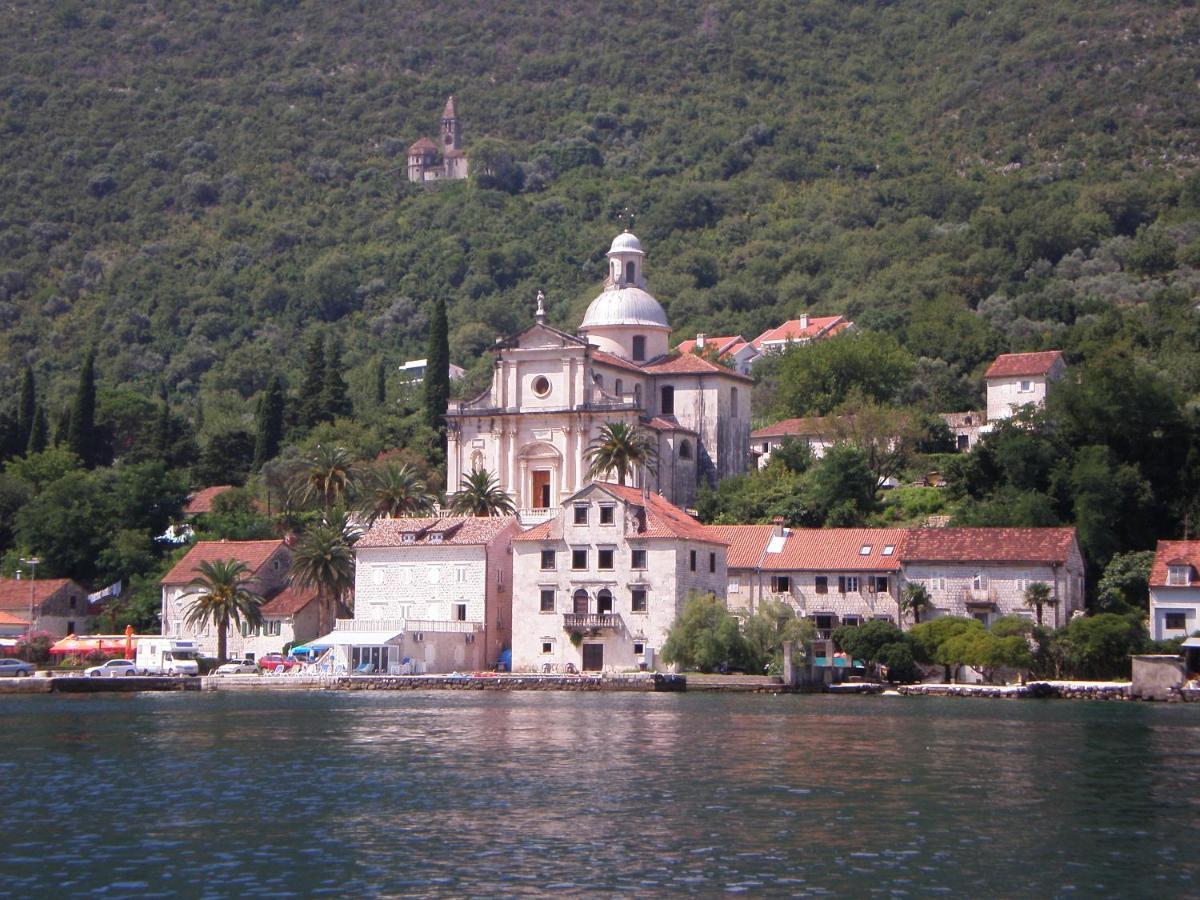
x,y
649,794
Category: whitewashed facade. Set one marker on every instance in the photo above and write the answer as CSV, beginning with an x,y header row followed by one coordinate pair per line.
x,y
1175,590
1016,380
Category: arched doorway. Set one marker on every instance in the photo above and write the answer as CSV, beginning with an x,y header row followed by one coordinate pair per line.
x,y
541,476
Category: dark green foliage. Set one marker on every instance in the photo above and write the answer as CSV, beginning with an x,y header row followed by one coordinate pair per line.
x,y
815,379
269,431
312,385
841,490
39,436
705,637
26,405
334,401
226,459
14,494
81,434
234,517
437,367
380,382
1125,586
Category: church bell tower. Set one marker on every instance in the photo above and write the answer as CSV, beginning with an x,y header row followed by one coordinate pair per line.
x,y
451,129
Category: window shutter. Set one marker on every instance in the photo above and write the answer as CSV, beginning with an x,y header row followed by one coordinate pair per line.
x,y
841,584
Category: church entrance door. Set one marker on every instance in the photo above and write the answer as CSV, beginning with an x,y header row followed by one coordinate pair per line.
x,y
541,489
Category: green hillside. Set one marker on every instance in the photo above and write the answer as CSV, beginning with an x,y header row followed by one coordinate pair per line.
x,y
192,186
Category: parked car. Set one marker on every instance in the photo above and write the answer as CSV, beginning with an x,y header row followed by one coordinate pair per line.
x,y
277,662
238,667
12,668
112,669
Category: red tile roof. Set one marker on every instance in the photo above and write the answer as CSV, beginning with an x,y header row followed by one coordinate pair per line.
x,y
423,145
454,530
202,500
791,427
746,543
818,326
1174,553
658,423
690,364
289,601
839,549
662,518
15,592
7,618
723,346
1013,365
609,359
252,553
989,545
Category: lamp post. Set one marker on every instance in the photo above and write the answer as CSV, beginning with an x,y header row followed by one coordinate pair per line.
x,y
32,562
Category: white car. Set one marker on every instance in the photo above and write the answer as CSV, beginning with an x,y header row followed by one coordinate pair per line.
x,y
114,668
238,667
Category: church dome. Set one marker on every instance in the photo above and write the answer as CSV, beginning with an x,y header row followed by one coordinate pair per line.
x,y
625,242
624,306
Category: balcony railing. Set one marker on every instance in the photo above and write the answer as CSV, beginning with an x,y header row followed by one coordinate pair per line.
x,y
578,621
535,515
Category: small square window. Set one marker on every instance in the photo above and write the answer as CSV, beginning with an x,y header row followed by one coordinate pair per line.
x,y
460,612
822,584
889,549
637,559
547,600
547,646
1176,621
608,515
881,584
548,564
864,550
638,648
712,562
637,599
579,559
604,559
1026,387
781,584
692,560
581,515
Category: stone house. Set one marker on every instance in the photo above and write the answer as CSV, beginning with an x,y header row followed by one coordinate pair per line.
x,y
1175,590
201,502
268,563
1016,380
803,330
57,606
835,576
734,351
966,428
817,432
984,572
291,616
599,585
428,161
436,590
552,393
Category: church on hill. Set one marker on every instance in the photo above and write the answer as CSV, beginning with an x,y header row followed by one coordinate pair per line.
x,y
427,161
552,392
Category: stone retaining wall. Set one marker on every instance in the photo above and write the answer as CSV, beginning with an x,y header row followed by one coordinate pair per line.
x,y
1035,689
648,682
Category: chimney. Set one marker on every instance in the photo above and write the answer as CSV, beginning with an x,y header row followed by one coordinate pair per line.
x,y
700,341
804,321
778,523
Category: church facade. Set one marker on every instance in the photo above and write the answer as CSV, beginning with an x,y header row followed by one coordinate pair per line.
x,y
428,161
552,393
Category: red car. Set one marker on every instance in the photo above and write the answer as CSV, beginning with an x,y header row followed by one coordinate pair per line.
x,y
277,662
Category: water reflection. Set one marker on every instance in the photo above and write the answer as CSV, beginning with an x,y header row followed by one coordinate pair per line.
x,y
449,794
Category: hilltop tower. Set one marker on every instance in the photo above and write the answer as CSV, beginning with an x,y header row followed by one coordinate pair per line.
x,y
424,163
451,129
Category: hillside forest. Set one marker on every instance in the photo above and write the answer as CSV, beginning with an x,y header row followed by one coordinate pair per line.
x,y
206,228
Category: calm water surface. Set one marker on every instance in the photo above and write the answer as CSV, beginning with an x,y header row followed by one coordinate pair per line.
x,y
455,794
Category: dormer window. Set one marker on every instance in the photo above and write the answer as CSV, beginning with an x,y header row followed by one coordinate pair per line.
x,y
1179,576
864,550
889,549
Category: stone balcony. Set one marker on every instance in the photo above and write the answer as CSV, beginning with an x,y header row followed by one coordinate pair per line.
x,y
584,621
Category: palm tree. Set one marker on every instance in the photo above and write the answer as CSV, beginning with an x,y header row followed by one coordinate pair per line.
x,y
915,600
328,476
323,560
397,490
620,448
219,595
479,494
1038,595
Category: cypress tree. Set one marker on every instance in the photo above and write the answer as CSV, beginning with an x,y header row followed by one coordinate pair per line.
x,y
312,385
25,407
269,433
162,426
39,432
81,436
62,426
380,383
437,367
334,401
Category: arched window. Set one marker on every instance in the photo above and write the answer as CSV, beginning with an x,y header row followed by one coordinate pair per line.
x,y
618,388
685,449
667,406
639,348
604,601
579,602
629,270
733,401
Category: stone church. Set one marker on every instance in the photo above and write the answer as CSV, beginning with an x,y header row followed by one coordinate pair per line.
x,y
552,392
429,162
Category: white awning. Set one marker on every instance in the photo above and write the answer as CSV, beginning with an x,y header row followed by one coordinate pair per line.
x,y
1191,642
356,638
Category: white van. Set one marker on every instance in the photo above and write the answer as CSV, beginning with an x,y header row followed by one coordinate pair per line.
x,y
167,656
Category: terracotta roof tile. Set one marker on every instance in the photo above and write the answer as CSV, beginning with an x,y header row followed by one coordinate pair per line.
x,y
289,601
454,530
202,501
1174,553
690,364
658,423
609,359
1012,365
7,618
252,553
792,427
839,549
818,326
423,145
662,518
989,545
724,346
746,543
14,592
